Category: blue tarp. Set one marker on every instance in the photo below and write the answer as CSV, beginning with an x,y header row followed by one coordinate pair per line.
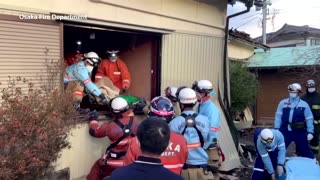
x,y
300,168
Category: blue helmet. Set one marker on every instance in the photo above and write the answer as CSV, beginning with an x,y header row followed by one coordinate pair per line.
x,y
161,107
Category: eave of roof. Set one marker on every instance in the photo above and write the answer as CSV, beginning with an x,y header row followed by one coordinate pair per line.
x,y
251,43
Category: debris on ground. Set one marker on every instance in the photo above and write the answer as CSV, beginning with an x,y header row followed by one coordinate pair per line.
x,y
247,156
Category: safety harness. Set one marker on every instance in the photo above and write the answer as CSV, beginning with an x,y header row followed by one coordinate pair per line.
x,y
191,122
126,129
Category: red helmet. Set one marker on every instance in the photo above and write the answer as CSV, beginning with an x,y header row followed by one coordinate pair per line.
x,y
73,58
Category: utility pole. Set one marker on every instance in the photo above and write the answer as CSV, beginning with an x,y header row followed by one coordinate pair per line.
x,y
264,24
263,4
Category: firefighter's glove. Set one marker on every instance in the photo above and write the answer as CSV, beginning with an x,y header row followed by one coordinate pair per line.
x,y
310,137
104,99
280,170
93,115
124,89
214,144
76,106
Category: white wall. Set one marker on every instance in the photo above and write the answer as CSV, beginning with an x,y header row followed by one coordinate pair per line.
x,y
84,151
181,15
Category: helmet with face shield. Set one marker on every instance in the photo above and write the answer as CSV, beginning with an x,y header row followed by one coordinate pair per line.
x,y
161,107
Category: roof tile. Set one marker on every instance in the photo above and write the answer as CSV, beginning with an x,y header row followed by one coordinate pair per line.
x,y
285,57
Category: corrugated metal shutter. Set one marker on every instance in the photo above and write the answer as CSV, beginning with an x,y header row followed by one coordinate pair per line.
x,y
276,82
22,50
186,58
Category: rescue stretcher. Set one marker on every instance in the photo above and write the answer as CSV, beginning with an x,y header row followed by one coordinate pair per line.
x,y
136,104
89,101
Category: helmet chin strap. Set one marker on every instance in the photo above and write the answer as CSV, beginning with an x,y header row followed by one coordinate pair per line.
x,y
205,98
180,105
89,68
182,108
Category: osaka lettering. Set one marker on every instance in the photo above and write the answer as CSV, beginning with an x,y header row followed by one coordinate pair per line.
x,y
171,150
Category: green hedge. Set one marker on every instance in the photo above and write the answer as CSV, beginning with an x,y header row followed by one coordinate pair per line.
x,y
243,87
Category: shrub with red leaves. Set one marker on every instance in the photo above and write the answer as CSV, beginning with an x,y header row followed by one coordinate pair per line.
x,y
34,126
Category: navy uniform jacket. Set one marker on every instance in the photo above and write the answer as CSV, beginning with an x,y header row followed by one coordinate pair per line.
x,y
293,110
144,168
313,99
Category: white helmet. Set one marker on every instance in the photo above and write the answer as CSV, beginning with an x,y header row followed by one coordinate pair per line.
x,y
187,95
92,58
170,93
119,105
295,87
202,86
267,136
113,55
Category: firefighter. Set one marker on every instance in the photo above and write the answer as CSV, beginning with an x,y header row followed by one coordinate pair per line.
x,y
295,121
195,128
176,153
170,93
312,97
73,58
116,70
271,154
153,135
119,131
81,72
209,109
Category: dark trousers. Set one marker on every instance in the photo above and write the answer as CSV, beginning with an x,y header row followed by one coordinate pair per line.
x,y
259,171
299,137
314,143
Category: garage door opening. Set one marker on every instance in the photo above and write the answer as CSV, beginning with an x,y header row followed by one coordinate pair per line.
x,y
140,51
